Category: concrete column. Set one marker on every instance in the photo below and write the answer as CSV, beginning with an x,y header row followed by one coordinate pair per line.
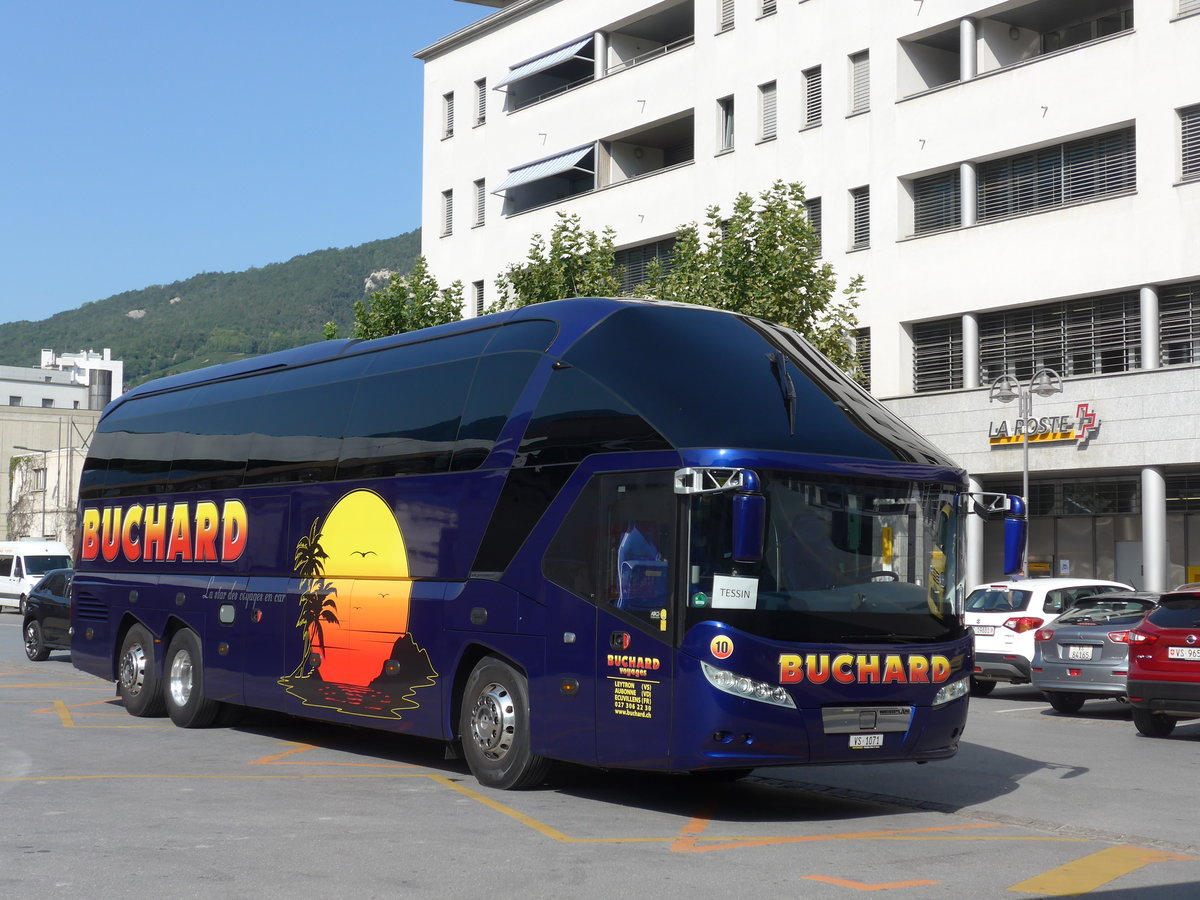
x,y
1151,349
600,62
974,539
970,350
968,57
968,197
1154,529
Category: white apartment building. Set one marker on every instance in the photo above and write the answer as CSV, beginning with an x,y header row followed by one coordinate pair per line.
x,y
1017,182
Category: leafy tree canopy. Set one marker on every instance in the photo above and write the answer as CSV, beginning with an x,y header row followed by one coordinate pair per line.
x,y
763,260
576,263
409,302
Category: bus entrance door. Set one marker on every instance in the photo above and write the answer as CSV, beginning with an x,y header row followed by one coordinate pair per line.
x,y
633,695
633,683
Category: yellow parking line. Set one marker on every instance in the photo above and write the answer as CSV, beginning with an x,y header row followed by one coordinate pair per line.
x,y
1095,871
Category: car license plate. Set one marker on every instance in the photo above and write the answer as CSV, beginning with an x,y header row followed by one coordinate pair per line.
x,y
865,741
1183,653
985,630
1076,651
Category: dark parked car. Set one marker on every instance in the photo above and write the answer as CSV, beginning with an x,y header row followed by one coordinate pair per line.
x,y
1164,665
1084,653
48,615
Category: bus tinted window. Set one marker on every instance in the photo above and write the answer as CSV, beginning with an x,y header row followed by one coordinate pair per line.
x,y
535,334
298,434
405,423
423,353
498,382
705,379
576,417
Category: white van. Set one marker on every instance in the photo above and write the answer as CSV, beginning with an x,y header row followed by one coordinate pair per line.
x,y
23,563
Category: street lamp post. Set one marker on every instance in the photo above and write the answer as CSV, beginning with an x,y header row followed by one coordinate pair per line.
x,y
45,478
1006,388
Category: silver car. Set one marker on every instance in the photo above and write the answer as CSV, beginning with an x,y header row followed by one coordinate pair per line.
x,y
1085,651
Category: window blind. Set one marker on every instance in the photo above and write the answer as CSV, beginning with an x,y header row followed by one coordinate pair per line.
x,y
861,211
767,93
860,79
937,202
812,96
937,355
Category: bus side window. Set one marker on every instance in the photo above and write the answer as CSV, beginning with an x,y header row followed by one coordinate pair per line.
x,y
639,512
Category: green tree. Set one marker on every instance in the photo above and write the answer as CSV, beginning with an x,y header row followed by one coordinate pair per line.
x,y
577,262
408,303
764,260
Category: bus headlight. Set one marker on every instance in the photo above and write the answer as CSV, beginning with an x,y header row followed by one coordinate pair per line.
x,y
747,688
952,691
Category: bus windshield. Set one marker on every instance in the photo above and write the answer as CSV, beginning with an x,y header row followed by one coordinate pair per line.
x,y
845,562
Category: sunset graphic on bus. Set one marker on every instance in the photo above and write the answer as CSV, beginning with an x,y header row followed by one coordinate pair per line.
x,y
358,656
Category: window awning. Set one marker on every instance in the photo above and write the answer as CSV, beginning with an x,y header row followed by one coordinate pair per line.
x,y
544,62
544,168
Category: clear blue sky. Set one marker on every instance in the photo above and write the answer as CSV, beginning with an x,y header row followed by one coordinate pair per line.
x,y
145,141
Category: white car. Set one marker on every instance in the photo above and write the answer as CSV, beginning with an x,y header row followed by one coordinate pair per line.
x,y
1005,616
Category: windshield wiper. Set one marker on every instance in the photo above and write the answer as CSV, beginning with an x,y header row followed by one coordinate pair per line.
x,y
786,385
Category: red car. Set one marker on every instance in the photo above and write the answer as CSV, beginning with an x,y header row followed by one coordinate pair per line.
x,y
1164,665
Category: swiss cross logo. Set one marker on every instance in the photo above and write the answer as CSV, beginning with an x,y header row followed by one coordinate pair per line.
x,y
1088,421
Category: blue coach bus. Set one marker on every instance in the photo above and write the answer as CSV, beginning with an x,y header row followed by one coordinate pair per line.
x,y
627,534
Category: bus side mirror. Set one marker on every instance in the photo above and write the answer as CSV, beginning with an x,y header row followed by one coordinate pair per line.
x,y
749,527
1016,527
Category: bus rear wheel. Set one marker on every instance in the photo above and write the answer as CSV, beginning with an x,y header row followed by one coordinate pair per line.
x,y
137,678
183,690
494,726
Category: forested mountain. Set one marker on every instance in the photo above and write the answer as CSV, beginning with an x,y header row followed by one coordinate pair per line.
x,y
216,316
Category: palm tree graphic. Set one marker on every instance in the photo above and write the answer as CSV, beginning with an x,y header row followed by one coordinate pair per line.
x,y
317,604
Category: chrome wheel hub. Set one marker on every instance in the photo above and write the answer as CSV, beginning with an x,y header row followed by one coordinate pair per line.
x,y
494,721
133,669
180,681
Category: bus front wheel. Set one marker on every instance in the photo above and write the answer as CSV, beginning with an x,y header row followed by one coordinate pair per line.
x,y
184,687
494,726
137,679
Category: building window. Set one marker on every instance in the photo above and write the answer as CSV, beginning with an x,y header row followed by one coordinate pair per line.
x,y
633,263
1179,324
860,82
1088,336
937,355
39,479
862,354
1188,6
477,294
937,203
812,96
813,207
1078,32
14,401
448,115
769,7
1051,177
47,403
766,102
725,124
481,101
480,201
447,212
725,16
1189,129
860,209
